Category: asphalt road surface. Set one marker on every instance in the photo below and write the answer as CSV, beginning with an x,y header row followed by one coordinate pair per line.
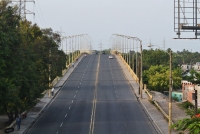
x,y
96,99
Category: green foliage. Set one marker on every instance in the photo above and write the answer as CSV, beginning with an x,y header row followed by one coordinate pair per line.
x,y
24,61
154,57
194,77
191,111
192,125
157,77
186,105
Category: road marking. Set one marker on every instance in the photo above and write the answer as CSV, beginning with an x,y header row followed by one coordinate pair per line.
x,y
57,133
116,96
74,96
80,83
124,124
76,91
61,124
72,101
94,101
115,91
69,107
65,115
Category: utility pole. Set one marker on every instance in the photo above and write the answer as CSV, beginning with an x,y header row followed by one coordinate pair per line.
x,y
170,95
133,53
141,83
50,72
195,110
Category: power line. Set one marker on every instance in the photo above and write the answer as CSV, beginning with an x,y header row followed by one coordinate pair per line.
x,y
41,13
22,8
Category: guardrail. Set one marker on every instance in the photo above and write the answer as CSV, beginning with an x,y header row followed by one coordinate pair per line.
x,y
53,83
129,69
147,91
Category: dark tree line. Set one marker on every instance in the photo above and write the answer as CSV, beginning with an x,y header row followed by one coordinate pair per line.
x,y
24,60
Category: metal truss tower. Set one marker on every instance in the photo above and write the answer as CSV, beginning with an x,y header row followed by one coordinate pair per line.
x,y
22,7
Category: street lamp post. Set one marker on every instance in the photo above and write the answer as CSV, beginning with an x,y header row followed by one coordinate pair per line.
x,y
170,92
125,48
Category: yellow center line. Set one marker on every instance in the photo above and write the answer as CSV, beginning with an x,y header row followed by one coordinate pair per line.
x,y
94,100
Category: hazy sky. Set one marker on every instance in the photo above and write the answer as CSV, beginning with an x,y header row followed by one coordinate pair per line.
x,y
146,19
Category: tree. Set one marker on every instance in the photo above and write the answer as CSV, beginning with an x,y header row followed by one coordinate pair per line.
x,y
157,77
24,61
9,72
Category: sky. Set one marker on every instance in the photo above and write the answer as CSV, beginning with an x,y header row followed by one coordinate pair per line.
x,y
152,21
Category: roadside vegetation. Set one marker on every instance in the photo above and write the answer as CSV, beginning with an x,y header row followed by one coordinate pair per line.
x,y
24,61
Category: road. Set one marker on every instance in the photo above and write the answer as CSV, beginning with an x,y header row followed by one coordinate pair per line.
x,y
96,99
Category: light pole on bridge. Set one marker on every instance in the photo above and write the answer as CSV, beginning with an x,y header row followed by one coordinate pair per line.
x,y
125,46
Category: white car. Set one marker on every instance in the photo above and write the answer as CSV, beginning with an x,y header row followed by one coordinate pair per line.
x,y
110,57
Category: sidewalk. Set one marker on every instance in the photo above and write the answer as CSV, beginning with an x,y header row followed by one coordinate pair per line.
x,y
35,113
155,115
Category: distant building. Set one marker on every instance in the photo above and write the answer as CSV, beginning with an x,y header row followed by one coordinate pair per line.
x,y
185,67
188,90
196,66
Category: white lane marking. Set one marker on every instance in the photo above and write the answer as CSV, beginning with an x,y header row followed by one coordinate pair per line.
x,y
65,115
57,133
74,96
72,101
116,96
80,83
61,124
69,107
115,91
76,91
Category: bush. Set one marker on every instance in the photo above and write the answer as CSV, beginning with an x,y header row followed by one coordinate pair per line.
x,y
186,105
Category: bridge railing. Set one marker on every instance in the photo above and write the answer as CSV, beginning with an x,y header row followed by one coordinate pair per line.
x,y
145,88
